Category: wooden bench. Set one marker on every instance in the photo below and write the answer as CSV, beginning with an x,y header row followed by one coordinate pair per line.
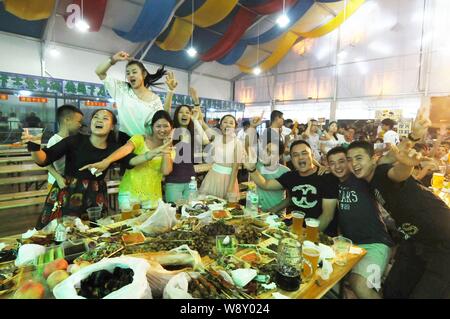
x,y
23,195
27,180
22,202
16,159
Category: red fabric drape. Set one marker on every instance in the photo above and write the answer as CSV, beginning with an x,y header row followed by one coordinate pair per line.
x,y
241,22
93,12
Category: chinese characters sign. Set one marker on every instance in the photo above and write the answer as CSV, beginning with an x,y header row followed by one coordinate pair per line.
x,y
60,87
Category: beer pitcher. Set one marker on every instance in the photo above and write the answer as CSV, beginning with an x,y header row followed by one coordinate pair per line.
x,y
291,266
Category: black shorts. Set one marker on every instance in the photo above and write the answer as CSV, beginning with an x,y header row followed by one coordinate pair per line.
x,y
419,271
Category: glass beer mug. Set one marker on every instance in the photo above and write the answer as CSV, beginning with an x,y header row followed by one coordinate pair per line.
x,y
291,266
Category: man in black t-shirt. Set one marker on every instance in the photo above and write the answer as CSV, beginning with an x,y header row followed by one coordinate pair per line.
x,y
315,195
359,219
421,263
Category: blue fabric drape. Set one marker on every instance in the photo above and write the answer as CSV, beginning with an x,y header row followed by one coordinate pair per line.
x,y
152,20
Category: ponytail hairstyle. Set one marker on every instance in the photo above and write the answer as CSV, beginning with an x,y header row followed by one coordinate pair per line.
x,y
113,135
149,79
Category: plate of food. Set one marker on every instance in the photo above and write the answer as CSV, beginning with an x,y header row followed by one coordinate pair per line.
x,y
278,233
221,214
195,209
133,238
256,258
237,212
213,200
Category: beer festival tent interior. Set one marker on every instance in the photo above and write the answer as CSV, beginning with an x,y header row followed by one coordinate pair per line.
x,y
261,67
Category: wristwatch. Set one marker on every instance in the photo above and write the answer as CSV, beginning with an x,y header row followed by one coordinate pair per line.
x,y
413,139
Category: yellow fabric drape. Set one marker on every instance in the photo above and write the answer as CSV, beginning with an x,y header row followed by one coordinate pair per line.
x,y
284,45
210,13
334,23
290,38
30,9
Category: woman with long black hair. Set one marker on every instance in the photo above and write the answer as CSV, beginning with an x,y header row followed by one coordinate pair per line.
x,y
83,189
188,139
134,98
154,157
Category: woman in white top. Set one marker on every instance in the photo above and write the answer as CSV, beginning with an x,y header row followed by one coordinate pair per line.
x,y
226,153
135,101
330,138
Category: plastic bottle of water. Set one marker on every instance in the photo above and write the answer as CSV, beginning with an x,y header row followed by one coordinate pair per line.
x,y
252,201
193,193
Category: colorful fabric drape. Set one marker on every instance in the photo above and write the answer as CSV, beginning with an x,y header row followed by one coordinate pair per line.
x,y
241,22
210,13
284,45
30,9
295,13
288,40
153,19
93,13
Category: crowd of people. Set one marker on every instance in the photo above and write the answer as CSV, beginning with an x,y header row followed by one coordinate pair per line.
x,y
333,174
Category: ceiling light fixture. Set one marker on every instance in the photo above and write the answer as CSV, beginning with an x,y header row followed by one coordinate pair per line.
x,y
82,25
192,52
257,70
283,20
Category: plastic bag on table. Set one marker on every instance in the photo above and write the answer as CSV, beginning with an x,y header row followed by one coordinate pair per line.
x,y
195,259
158,277
177,287
161,221
50,227
137,289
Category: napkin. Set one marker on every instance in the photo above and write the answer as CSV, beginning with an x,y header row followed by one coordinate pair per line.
x,y
270,286
94,172
355,250
273,221
326,270
80,226
2,245
241,277
30,233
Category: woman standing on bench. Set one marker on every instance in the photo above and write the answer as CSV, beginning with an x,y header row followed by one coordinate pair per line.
x,y
83,189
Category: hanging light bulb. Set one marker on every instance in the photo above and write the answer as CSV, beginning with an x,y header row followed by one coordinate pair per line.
x,y
283,20
82,25
257,70
192,52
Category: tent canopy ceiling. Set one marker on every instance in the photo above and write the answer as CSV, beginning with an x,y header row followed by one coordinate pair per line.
x,y
122,14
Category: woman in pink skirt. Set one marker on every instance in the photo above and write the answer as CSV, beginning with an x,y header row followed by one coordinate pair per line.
x,y
225,153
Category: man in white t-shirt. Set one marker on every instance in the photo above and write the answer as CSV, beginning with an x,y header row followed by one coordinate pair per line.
x,y
69,119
